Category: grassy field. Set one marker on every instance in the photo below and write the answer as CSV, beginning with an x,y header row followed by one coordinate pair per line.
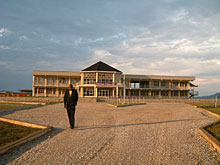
x,y
215,131
209,107
11,105
11,132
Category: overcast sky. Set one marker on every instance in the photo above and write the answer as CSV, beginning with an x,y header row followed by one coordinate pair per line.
x,y
161,37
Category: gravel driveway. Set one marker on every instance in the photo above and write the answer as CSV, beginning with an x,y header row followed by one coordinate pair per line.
x,y
155,133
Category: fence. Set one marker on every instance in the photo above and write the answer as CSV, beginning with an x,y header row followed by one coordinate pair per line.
x,y
131,100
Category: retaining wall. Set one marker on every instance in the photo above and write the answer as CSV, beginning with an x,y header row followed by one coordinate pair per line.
x,y
82,99
42,99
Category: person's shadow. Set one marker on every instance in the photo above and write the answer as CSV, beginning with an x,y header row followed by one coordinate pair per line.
x,y
130,125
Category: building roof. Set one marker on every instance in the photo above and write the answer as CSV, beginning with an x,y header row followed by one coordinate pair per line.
x,y
159,77
101,66
56,73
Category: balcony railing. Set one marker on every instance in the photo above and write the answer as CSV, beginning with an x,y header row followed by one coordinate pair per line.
x,y
106,84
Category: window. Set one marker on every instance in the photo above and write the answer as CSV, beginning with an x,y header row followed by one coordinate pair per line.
x,y
144,93
63,81
144,84
135,84
174,93
164,93
51,91
105,77
155,93
183,93
105,91
175,83
163,83
88,92
41,80
89,78
74,80
156,83
51,80
41,90
183,84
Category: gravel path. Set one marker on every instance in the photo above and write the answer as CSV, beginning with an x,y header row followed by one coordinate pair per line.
x,y
146,134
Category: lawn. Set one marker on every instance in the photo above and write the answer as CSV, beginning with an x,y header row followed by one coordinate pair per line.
x,y
11,132
214,130
11,105
209,106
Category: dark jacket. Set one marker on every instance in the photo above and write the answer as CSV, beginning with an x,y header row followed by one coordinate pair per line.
x,y
70,101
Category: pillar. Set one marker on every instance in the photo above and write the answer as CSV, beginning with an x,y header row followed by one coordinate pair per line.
x,y
45,91
116,91
150,84
69,80
169,94
113,80
97,77
45,81
82,78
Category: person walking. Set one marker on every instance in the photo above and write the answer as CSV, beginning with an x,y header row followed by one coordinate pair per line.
x,y
70,102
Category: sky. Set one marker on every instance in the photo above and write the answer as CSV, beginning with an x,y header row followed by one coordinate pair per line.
x,y
161,37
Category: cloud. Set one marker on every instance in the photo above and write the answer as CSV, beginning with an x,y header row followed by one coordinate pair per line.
x,y
24,38
3,31
4,47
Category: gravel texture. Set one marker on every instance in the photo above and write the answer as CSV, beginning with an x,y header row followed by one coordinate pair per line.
x,y
155,133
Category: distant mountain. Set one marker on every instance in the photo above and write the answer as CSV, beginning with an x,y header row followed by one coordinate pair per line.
x,y
209,97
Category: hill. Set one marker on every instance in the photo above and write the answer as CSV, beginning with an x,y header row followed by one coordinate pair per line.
x,y
209,97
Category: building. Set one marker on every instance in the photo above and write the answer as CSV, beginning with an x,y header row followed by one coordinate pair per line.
x,y
12,94
102,80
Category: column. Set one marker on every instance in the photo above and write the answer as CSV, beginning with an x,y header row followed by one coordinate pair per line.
x,y
178,93
149,93
116,91
37,91
139,93
169,94
33,91
82,78
96,91
149,83
33,80
57,92
159,83
69,80
113,93
57,82
113,80
45,91
97,77
159,93
45,81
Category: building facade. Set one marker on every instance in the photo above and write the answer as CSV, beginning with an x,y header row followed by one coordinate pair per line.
x,y
102,80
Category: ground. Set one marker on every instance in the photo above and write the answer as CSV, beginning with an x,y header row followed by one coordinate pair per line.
x,y
155,133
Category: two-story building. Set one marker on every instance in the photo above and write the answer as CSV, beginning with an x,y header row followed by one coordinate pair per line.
x,y
102,80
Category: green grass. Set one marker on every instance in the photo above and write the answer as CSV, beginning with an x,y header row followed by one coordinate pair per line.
x,y
209,106
214,130
11,132
11,105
